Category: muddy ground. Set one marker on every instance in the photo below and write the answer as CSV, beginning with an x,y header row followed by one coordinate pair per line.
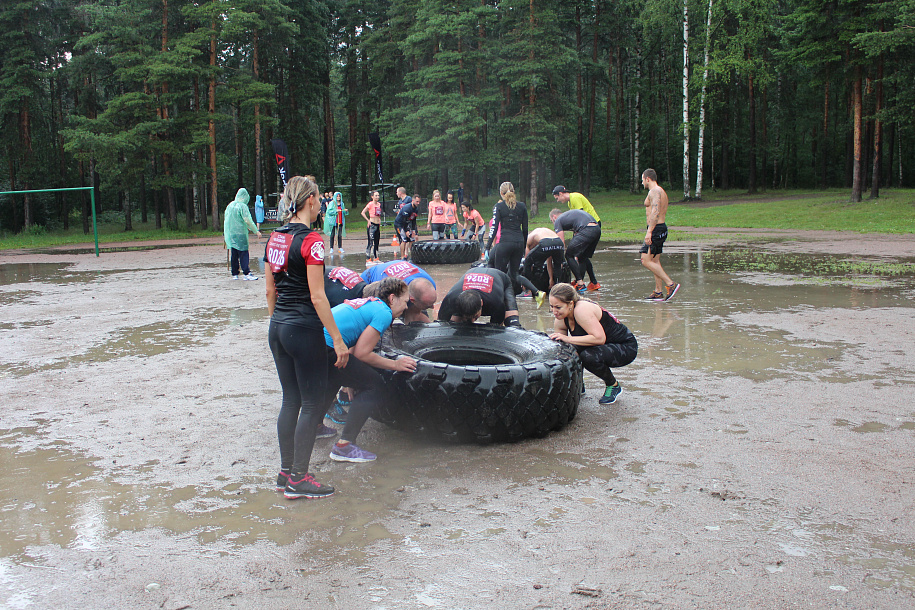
x,y
760,455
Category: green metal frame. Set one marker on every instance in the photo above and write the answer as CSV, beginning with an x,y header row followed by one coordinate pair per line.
x,y
75,188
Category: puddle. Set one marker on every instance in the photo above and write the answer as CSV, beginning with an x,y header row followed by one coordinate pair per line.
x,y
75,505
866,427
144,341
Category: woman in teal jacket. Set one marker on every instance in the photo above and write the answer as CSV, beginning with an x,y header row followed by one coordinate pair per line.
x,y
335,221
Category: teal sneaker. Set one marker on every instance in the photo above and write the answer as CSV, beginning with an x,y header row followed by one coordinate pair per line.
x,y
611,394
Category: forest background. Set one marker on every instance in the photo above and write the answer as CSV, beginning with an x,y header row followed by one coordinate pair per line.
x,y
166,107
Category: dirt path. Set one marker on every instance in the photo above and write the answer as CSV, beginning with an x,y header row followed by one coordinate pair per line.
x,y
760,455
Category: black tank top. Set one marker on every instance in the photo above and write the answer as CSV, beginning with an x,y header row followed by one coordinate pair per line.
x,y
614,330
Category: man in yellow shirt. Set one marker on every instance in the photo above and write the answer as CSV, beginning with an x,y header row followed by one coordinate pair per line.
x,y
576,201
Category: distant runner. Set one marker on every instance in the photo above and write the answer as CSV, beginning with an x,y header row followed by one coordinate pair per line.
x,y
655,235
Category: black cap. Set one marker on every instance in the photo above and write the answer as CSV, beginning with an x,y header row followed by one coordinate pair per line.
x,y
559,189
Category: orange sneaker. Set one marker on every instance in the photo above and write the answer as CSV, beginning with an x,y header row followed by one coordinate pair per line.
x,y
592,286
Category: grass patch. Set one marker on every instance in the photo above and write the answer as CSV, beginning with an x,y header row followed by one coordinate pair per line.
x,y
107,233
622,217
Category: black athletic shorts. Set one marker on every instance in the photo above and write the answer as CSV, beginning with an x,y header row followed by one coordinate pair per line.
x,y
658,237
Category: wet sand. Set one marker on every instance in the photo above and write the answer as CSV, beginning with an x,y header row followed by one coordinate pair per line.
x,y
759,456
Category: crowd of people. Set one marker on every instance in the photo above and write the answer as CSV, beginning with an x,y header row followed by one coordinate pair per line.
x,y
326,321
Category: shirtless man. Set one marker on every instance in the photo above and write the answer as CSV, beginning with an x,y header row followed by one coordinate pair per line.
x,y
655,235
544,249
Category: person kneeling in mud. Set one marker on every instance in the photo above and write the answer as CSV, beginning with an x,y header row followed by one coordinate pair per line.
x,y
601,340
495,290
362,322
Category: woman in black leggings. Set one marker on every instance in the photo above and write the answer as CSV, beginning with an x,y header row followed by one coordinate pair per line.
x,y
299,312
511,215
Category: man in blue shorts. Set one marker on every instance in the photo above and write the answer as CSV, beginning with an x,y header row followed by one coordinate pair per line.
x,y
421,285
405,225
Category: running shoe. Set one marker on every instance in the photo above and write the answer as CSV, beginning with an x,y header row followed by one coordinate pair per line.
x,y
305,486
377,260
281,479
235,277
343,399
525,294
670,291
539,299
325,431
655,296
250,277
351,453
580,287
611,394
337,414
592,286
339,250
368,261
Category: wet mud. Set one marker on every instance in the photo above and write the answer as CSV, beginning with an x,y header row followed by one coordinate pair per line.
x,y
759,456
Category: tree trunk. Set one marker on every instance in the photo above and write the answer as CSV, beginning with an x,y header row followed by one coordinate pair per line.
x,y
592,102
878,132
330,157
686,185
752,120
765,142
211,108
144,217
636,171
824,157
258,177
239,164
701,150
725,140
128,212
857,173
84,198
579,96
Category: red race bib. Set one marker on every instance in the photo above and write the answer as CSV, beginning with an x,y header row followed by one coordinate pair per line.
x,y
357,303
478,281
345,276
278,251
401,269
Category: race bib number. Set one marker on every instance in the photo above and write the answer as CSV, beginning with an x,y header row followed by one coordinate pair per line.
x,y
478,281
357,303
345,276
278,251
438,210
402,270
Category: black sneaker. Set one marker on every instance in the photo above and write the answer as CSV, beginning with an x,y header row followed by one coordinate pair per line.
x,y
281,479
305,486
610,394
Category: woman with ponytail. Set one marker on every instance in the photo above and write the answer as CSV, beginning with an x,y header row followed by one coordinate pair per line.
x,y
299,313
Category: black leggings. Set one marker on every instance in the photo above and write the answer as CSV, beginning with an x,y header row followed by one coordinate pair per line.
x,y
507,257
599,358
359,376
580,250
374,234
301,364
338,231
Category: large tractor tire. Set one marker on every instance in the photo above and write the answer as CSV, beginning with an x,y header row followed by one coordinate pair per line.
x,y
445,252
479,383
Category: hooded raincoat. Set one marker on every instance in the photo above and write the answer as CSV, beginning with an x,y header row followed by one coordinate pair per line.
x,y
331,215
238,221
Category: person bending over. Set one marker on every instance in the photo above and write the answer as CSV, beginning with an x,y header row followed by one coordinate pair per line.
x,y
495,290
544,249
423,293
585,236
601,340
362,322
341,283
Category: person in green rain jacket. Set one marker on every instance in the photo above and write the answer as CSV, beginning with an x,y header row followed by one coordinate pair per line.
x,y
235,229
335,221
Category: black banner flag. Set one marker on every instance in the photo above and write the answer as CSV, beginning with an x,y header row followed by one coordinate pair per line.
x,y
375,141
282,159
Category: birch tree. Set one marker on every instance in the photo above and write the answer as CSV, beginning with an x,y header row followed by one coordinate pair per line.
x,y
686,186
701,149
